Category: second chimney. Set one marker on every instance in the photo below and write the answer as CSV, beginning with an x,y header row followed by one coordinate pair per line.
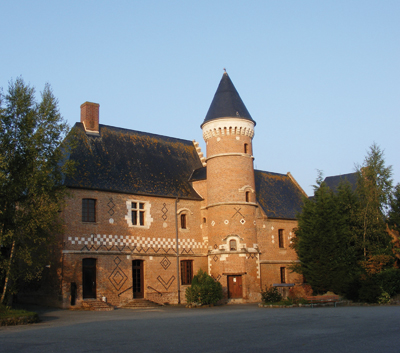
x,y
90,116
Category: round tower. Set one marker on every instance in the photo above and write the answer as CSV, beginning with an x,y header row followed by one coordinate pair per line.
x,y
228,130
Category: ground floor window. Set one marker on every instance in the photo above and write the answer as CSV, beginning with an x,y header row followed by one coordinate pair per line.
x,y
186,271
283,274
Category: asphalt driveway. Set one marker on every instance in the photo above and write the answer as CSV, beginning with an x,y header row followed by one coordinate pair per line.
x,y
231,328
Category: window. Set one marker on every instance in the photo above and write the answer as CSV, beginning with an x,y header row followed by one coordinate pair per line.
x,y
283,274
246,148
186,271
280,235
138,213
247,196
88,210
204,220
232,245
183,221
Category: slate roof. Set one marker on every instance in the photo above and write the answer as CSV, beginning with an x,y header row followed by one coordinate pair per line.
x,y
334,181
277,194
199,174
134,162
227,103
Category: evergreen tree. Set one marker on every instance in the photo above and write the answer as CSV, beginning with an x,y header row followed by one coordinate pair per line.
x,y
342,240
394,211
374,189
31,181
324,238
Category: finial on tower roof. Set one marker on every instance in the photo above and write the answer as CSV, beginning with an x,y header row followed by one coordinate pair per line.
x,y
224,71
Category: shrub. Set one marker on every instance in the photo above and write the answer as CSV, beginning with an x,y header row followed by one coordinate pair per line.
x,y
204,290
301,291
379,287
389,280
271,295
369,291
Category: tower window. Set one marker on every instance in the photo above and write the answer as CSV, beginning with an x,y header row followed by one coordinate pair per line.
x,y
247,196
232,245
246,148
183,221
281,241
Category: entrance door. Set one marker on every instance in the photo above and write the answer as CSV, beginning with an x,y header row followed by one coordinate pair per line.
x,y
235,287
137,278
89,278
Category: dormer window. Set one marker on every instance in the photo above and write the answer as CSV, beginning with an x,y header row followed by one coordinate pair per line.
x,y
232,245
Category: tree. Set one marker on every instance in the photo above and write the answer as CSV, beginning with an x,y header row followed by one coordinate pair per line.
x,y
324,238
342,240
394,211
31,181
374,189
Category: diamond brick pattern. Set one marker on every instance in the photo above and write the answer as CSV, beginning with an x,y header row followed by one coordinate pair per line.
x,y
164,210
111,206
165,263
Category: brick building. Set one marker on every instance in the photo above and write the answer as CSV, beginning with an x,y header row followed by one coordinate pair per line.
x,y
146,212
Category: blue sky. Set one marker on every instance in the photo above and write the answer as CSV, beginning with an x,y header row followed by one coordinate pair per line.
x,y
320,78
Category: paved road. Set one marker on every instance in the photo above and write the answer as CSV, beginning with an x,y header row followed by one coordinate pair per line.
x,y
232,328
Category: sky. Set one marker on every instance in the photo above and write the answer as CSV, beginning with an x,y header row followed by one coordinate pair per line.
x,y
320,78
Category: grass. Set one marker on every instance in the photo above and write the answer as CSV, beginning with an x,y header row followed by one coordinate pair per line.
x,y
9,316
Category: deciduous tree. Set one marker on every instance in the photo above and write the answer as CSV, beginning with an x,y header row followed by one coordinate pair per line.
x,y
31,181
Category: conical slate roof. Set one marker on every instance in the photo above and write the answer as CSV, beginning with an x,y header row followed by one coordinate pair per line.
x,y
227,102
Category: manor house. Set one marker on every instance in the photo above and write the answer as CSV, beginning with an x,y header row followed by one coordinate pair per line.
x,y
146,211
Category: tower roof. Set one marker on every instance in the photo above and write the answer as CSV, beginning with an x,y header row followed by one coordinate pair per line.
x,y
227,103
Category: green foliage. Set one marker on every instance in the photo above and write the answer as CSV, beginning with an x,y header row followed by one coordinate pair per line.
x,y
31,180
394,211
342,240
204,290
325,240
374,191
384,298
271,295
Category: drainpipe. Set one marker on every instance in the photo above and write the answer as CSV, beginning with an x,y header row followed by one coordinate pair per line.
x,y
177,250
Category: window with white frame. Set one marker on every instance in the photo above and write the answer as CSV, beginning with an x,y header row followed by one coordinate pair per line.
x,y
138,213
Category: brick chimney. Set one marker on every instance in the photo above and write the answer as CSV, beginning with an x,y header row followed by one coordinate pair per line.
x,y
90,116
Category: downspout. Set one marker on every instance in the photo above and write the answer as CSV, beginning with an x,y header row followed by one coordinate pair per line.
x,y
177,250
